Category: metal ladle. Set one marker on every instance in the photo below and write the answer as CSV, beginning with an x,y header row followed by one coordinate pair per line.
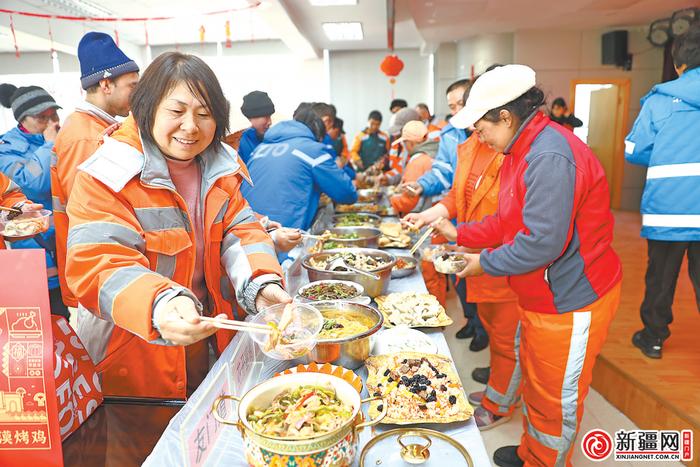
x,y
339,263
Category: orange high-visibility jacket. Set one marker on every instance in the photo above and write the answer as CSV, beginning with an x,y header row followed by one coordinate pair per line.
x,y
79,138
484,202
10,195
131,242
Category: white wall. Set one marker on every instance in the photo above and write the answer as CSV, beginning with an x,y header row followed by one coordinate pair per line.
x,y
358,86
560,56
480,52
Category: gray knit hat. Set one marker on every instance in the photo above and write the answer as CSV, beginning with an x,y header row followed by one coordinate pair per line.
x,y
26,101
401,118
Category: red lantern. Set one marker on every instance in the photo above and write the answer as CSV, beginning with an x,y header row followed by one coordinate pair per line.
x,y
391,65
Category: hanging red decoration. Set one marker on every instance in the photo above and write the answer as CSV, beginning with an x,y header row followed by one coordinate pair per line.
x,y
14,36
51,37
391,66
228,34
145,31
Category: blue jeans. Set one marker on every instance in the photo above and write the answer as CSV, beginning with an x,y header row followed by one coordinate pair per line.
x,y
469,308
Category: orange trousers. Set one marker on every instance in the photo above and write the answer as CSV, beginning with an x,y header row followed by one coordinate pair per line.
x,y
557,354
435,282
501,321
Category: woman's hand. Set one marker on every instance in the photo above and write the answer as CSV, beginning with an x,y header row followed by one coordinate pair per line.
x,y
473,266
414,220
179,322
271,294
31,207
285,239
446,228
414,189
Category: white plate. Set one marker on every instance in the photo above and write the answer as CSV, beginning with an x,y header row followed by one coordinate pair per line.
x,y
403,338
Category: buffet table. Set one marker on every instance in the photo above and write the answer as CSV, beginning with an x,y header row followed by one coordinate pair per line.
x,y
194,438
125,434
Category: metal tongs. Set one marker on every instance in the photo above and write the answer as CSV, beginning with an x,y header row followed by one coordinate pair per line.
x,y
340,264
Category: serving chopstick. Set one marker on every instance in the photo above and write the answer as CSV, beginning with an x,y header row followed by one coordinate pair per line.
x,y
234,325
421,240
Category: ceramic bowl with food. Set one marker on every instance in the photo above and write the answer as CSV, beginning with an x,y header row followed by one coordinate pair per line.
x,y
281,425
344,237
344,339
293,340
356,220
377,262
405,266
24,225
449,262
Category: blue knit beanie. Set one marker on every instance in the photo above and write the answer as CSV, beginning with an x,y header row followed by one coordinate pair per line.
x,y
100,58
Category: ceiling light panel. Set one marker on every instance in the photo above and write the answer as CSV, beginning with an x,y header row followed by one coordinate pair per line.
x,y
343,31
333,2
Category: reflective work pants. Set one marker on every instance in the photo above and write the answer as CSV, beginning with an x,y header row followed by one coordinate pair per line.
x,y
501,321
557,354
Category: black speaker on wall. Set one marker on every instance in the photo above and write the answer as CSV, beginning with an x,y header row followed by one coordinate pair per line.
x,y
615,49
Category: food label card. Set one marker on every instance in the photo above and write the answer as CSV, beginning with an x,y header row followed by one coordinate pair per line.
x,y
29,431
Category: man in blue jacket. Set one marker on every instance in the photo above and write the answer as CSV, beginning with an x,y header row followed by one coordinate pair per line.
x,y
25,157
290,170
664,138
258,109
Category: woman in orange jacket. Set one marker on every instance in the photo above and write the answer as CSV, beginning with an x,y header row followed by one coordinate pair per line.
x,y
160,234
474,195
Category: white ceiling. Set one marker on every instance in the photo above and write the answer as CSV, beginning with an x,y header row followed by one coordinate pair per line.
x,y
419,23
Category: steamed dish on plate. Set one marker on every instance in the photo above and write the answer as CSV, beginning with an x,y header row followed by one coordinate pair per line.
x,y
301,412
356,260
338,324
393,236
412,309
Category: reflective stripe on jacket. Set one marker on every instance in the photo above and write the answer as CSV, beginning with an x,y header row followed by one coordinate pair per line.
x,y
131,240
78,139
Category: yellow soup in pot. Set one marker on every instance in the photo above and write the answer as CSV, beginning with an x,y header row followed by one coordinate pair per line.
x,y
338,324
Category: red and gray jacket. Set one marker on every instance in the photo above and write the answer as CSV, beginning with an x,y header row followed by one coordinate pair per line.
x,y
553,220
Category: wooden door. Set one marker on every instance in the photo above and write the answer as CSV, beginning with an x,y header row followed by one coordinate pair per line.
x,y
603,129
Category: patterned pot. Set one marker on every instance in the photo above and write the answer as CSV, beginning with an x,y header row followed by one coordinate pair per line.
x,y
336,448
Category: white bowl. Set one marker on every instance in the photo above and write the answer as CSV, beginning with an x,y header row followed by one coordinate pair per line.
x,y
402,338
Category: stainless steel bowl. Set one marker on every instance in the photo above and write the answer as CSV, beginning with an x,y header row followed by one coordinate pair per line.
x,y
399,273
349,352
368,236
372,194
372,287
372,219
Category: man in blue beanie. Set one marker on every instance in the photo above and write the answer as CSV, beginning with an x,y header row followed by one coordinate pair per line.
x,y
109,77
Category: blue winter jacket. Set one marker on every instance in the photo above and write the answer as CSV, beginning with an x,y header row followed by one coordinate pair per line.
x,y
290,170
665,139
26,159
249,141
439,179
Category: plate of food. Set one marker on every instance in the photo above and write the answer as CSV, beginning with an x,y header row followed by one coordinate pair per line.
x,y
25,225
405,266
417,388
321,291
403,339
416,310
371,208
369,195
449,262
394,236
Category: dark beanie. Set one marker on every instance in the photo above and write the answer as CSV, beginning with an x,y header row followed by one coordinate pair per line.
x,y
100,58
257,104
26,101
